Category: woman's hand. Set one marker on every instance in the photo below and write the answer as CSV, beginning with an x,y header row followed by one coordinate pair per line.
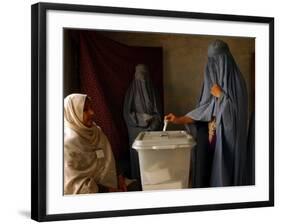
x,y
170,118
121,183
216,90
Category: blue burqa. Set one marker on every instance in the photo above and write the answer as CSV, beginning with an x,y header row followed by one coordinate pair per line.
x,y
141,111
227,166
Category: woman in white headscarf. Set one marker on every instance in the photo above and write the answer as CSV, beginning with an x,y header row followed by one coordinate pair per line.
x,y
89,165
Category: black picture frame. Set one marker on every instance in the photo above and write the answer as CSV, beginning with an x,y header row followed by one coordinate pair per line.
x,y
38,109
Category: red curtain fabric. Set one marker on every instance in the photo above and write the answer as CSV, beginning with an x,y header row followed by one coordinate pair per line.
x,y
106,71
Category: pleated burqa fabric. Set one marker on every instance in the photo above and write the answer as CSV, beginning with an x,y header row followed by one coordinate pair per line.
x,y
227,167
141,111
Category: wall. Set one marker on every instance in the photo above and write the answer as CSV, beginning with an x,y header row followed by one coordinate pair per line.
x,y
184,59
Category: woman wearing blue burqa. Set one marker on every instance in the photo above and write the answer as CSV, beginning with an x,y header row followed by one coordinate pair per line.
x,y
219,122
141,112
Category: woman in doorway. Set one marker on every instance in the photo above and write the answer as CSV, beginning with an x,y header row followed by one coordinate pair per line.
x,y
141,112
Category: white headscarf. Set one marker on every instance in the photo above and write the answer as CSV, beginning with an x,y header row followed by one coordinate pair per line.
x,y
88,158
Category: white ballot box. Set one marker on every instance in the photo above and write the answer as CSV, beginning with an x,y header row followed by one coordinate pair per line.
x,y
164,158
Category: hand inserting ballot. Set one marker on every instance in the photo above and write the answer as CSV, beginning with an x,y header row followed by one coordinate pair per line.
x,y
170,118
178,120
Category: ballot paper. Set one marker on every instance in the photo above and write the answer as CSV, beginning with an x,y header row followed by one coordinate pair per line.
x,y
165,125
157,173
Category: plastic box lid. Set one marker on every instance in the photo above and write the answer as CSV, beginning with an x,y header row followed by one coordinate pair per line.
x,y
159,140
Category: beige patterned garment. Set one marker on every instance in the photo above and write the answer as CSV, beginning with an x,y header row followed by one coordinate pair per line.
x,y
88,158
212,129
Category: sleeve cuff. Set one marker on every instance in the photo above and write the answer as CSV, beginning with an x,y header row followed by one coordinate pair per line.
x,y
221,95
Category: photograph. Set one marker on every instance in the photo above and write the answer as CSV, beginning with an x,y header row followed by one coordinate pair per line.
x,y
155,111
142,111
138,111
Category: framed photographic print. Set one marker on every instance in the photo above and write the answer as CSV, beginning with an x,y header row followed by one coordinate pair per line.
x,y
140,111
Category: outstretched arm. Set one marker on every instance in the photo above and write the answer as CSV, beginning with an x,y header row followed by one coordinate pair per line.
x,y
178,120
